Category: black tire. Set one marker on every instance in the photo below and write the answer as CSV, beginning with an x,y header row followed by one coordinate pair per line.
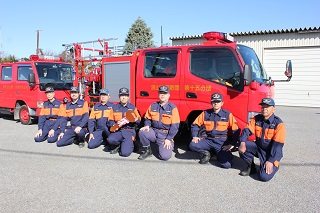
x,y
24,116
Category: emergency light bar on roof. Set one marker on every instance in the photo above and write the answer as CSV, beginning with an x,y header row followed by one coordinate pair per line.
x,y
218,36
45,58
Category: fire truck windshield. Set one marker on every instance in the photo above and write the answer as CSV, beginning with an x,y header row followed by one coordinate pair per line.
x,y
56,75
250,58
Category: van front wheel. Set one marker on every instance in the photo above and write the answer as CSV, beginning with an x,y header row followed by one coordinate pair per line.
x,y
24,116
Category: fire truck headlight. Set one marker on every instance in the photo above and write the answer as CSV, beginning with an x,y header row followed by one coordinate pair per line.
x,y
251,115
65,100
39,104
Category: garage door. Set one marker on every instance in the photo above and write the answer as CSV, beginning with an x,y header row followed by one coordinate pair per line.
x,y
304,87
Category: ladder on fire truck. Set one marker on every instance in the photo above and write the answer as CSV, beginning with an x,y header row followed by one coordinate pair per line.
x,y
87,55
78,49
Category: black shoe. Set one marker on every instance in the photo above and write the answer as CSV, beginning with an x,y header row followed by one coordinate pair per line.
x,y
81,144
205,157
249,170
146,152
115,150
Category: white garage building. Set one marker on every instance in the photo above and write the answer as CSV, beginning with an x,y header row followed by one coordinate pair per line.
x,y
274,48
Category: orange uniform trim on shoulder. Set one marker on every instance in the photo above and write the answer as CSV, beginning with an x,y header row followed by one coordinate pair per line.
x,y
252,126
200,120
136,113
258,131
175,116
148,113
233,122
280,133
92,115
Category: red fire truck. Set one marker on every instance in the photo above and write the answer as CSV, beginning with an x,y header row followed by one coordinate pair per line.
x,y
193,73
22,85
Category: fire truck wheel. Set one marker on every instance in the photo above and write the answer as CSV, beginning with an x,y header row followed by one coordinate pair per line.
x,y
24,116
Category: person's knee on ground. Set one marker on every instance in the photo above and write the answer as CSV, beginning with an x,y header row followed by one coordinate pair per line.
x,y
165,155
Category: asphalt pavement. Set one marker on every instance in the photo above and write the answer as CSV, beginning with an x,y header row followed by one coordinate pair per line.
x,y
40,177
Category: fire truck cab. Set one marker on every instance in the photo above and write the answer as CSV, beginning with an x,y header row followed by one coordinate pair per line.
x,y
22,85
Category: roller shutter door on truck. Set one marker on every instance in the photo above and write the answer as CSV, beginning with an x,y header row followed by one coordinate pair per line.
x,y
304,87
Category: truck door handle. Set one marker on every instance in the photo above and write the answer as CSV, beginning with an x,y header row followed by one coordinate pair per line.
x,y
144,93
191,95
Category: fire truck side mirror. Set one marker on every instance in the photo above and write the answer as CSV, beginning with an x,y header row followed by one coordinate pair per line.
x,y
288,71
247,74
31,79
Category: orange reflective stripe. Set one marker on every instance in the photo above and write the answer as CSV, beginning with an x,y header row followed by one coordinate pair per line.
x,y
175,116
252,125
136,113
111,112
268,134
258,131
233,122
166,119
92,115
106,113
69,112
155,116
221,126
209,125
97,114
276,163
148,113
280,133
43,111
200,120
55,111
62,111
117,116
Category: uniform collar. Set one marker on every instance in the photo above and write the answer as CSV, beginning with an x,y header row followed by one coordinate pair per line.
x,y
271,119
77,102
164,106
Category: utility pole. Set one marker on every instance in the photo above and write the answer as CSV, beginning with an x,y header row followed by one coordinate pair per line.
x,y
161,37
1,48
38,38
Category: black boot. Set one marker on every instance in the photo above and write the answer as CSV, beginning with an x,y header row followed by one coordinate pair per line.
x,y
205,157
81,144
146,152
115,150
249,170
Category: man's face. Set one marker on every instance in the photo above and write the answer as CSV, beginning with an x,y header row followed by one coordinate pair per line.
x,y
74,96
164,97
50,95
267,110
124,99
216,105
104,98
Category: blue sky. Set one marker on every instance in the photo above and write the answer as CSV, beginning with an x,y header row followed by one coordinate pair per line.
x,y
72,21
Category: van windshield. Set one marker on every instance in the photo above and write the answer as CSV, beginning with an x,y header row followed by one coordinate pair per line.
x,y
250,58
57,75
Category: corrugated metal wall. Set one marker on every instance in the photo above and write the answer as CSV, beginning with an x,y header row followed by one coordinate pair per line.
x,y
259,42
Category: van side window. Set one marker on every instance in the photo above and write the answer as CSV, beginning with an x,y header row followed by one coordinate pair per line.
x,y
23,72
6,73
160,64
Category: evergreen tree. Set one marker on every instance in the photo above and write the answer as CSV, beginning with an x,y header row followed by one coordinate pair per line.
x,y
139,36
10,58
